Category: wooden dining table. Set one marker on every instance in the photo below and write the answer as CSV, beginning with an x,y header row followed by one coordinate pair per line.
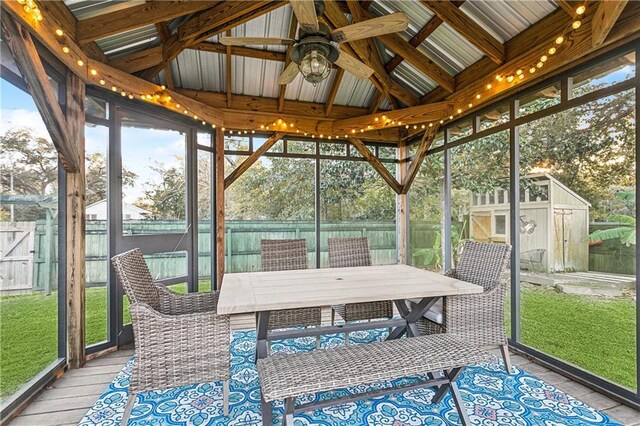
x,y
264,292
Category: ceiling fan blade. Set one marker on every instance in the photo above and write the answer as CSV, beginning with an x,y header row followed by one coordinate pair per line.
x,y
254,41
354,66
372,27
305,12
289,74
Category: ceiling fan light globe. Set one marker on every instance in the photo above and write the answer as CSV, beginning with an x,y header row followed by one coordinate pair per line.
x,y
314,66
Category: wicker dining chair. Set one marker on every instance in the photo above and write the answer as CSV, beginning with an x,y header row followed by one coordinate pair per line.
x,y
179,339
476,318
287,255
352,252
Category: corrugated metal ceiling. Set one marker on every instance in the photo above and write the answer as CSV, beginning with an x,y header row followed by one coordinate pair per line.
x,y
202,70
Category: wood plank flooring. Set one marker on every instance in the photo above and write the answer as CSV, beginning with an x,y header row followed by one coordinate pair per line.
x,y
67,400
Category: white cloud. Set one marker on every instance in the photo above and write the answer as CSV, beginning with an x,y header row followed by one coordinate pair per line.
x,y
14,119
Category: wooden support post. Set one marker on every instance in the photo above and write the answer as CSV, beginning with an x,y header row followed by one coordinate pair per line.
x,y
424,146
219,205
402,204
75,240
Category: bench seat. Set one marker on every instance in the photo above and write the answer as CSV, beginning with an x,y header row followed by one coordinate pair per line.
x,y
287,376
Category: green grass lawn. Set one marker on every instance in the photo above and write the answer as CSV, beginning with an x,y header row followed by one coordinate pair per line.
x,y
595,334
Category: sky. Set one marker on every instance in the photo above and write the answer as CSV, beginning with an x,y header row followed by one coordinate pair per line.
x,y
141,147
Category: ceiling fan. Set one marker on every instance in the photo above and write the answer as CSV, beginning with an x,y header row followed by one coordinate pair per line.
x,y
317,47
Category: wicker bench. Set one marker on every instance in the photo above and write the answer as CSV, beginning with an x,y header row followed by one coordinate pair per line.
x,y
441,357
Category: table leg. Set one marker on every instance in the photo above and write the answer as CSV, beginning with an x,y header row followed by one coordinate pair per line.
x,y
262,328
411,316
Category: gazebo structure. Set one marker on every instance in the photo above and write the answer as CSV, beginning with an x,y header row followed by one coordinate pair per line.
x,y
222,124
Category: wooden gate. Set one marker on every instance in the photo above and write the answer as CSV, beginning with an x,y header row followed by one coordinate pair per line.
x,y
16,257
481,226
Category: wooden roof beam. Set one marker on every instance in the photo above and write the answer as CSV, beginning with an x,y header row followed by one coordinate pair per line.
x,y
203,25
165,34
122,20
333,91
579,48
382,81
409,53
469,29
420,36
411,115
293,26
247,52
604,19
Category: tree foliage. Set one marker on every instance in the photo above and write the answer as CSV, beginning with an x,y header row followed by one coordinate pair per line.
x,y
32,162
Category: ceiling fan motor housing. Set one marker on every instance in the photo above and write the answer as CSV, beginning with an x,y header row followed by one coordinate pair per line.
x,y
319,43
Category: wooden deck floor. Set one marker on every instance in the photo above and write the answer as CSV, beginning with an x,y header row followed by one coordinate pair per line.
x,y
70,397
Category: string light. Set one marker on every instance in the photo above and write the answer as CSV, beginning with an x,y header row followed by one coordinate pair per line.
x,y
552,51
576,25
489,86
59,32
102,82
580,10
65,49
560,40
544,58
114,89
93,72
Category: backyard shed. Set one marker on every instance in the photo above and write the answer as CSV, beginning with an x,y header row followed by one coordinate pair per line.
x,y
554,222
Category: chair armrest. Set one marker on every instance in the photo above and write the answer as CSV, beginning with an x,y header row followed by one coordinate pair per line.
x,y
177,304
478,318
175,350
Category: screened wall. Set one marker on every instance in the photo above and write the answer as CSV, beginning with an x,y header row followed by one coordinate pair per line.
x,y
306,188
32,240
551,171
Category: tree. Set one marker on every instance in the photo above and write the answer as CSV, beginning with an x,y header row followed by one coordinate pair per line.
x,y
166,197
33,163
96,177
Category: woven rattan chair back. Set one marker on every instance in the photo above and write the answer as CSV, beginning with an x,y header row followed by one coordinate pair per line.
x,y
482,263
133,273
348,252
284,255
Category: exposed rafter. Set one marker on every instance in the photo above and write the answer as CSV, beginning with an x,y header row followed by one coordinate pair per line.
x,y
247,52
420,36
293,26
466,26
382,81
228,75
164,34
335,85
208,23
122,20
416,58
605,17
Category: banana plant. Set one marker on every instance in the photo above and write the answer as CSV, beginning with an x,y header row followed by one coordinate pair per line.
x,y
626,232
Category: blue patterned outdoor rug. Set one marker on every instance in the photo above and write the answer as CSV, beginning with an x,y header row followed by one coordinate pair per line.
x,y
490,396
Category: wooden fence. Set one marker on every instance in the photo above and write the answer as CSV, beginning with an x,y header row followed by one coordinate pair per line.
x,y
28,250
